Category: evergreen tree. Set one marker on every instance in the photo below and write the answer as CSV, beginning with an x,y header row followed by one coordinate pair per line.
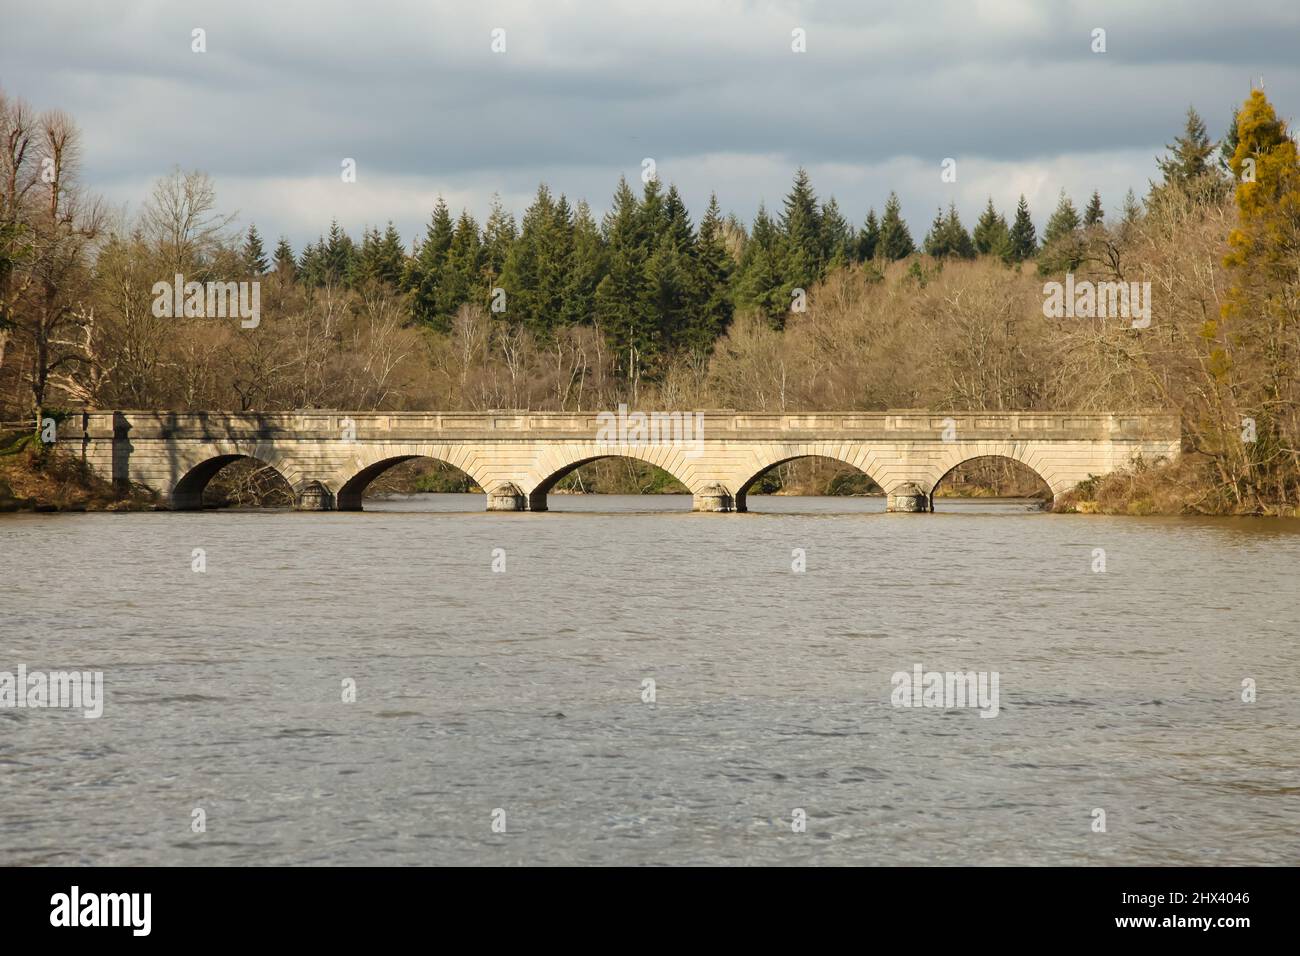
x,y
285,266
462,272
670,272
802,242
714,268
895,238
424,270
622,298
1189,159
1228,146
499,234
311,267
948,237
932,244
760,284
839,242
381,260
1063,245
1024,240
1093,215
586,268
536,270
869,238
1132,209
390,258
338,256
254,255
1063,222
991,235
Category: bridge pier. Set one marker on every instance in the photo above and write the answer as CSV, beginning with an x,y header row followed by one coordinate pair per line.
x,y
713,498
909,498
315,497
507,497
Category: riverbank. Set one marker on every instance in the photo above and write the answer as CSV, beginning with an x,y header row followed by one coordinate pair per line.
x,y
34,479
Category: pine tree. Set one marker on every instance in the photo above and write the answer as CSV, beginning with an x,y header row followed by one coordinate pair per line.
x,y
801,236
1063,246
254,255
586,268
670,272
948,237
499,234
622,299
1024,240
424,270
285,266
895,238
933,243
390,262
839,241
1093,215
714,269
991,235
1228,145
1190,153
338,256
869,238
1132,209
760,284
1063,222
462,271
311,267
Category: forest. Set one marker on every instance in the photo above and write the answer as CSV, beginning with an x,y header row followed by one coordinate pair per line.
x,y
802,308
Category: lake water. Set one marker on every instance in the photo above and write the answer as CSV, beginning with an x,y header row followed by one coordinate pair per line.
x,y
522,691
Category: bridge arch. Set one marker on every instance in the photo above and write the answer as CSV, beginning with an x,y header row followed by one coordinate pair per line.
x,y
557,464
358,475
858,457
1006,451
197,472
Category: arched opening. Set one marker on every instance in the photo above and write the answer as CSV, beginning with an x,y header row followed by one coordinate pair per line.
x,y
991,483
610,482
811,483
410,483
232,481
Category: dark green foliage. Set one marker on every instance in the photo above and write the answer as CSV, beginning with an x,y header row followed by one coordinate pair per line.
x,y
1093,215
869,238
948,237
424,270
285,265
991,235
761,284
1062,239
1024,240
895,238
1190,153
254,255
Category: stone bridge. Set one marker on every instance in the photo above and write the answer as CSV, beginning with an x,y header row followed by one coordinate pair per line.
x,y
516,457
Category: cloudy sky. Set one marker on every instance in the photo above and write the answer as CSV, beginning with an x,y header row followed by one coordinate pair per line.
x,y
712,91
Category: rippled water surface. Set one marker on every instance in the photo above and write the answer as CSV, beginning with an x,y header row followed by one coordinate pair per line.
x,y
523,690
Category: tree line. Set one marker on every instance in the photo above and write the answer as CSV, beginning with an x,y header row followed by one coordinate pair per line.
x,y
649,307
